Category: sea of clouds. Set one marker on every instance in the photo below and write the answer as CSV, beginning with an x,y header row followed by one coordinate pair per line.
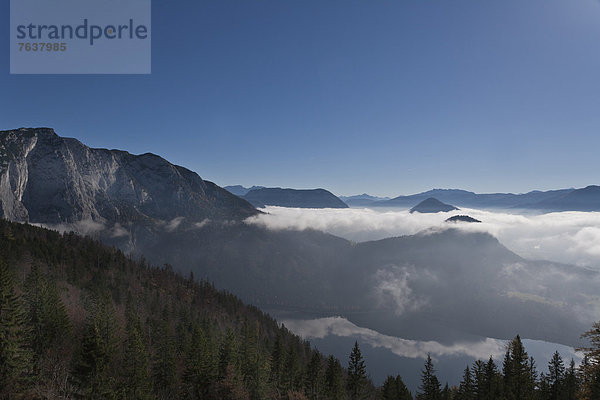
x,y
567,237
330,327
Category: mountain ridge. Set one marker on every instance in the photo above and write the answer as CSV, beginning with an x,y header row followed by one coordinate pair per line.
x,y
100,184
300,198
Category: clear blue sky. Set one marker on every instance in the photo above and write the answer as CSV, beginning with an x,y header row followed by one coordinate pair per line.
x,y
386,97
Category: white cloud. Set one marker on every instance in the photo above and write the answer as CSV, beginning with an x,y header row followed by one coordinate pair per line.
x,y
588,240
338,326
392,286
568,237
174,224
202,223
84,227
118,231
477,349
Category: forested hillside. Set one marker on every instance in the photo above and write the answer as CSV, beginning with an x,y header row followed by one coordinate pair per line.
x,y
81,320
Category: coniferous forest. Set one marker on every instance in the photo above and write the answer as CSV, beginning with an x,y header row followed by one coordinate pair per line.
x,y
82,320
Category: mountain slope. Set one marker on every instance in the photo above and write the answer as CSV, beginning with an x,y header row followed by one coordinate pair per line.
x,y
111,327
147,206
312,198
45,178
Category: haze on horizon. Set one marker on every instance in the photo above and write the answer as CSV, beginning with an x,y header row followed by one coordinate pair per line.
x,y
386,98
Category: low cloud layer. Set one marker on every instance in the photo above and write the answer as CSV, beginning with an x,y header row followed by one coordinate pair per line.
x,y
392,288
568,237
482,349
338,326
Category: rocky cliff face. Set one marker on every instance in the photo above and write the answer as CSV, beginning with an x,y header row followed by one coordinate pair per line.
x,y
45,178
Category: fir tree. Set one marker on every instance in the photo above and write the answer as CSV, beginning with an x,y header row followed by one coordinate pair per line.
x,y
493,381
395,389
15,355
556,374
199,369
357,378
137,379
292,376
466,389
46,313
430,385
519,379
163,364
314,378
93,364
446,394
389,390
571,386
277,363
402,390
590,366
480,384
252,365
334,380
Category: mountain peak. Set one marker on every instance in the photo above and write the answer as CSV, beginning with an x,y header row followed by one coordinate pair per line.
x,y
432,205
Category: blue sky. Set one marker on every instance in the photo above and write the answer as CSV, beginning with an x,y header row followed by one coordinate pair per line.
x,y
385,97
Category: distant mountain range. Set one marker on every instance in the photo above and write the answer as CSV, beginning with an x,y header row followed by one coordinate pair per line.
x,y
312,198
241,191
585,199
260,196
431,205
361,200
427,286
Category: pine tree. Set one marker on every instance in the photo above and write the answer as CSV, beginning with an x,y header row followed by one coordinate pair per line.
x,y
15,354
137,380
446,395
430,386
252,365
292,377
543,387
466,389
480,384
556,374
389,391
493,381
334,380
200,373
585,378
402,390
93,370
277,364
357,378
590,366
227,353
594,386
394,389
163,363
314,378
571,386
519,379
46,313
